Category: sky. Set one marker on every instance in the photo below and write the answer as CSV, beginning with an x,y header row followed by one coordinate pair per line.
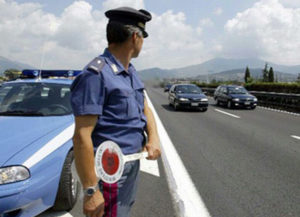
x,y
68,34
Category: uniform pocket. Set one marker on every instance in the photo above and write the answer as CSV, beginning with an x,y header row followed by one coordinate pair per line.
x,y
140,96
122,104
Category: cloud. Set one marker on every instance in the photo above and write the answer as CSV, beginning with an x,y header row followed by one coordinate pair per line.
x,y
206,22
290,3
218,11
172,43
138,4
78,24
268,30
28,33
71,39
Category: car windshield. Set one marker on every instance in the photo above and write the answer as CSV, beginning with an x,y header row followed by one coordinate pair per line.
x,y
34,99
188,89
237,90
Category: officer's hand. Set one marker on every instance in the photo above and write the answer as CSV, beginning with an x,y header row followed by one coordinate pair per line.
x,y
153,149
93,206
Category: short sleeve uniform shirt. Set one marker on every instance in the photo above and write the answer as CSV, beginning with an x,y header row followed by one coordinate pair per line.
x,y
117,96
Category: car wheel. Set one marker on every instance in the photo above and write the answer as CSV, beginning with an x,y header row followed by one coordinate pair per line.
x,y
229,104
204,109
217,101
170,104
253,107
176,106
69,187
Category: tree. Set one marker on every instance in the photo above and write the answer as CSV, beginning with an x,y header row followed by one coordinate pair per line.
x,y
12,74
247,75
213,81
271,75
265,73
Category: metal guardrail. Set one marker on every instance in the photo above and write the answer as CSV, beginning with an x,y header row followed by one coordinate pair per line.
x,y
284,101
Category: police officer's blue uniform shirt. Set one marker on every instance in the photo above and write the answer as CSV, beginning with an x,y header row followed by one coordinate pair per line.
x,y
116,95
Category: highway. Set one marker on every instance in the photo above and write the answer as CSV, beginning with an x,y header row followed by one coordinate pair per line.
x,y
248,165
243,163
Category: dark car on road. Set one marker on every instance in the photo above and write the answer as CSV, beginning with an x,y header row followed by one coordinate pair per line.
x,y
187,96
167,87
234,96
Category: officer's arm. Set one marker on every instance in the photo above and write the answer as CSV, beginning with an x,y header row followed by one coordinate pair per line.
x,y
153,145
83,149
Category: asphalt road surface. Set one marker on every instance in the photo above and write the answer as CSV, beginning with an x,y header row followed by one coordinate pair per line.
x,y
153,198
244,163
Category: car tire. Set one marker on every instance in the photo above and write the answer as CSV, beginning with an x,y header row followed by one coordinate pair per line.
x,y
252,107
229,104
217,102
69,187
176,106
203,109
170,104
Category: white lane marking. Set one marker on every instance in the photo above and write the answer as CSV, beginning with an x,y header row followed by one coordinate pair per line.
x,y
51,146
55,214
185,195
149,166
278,110
295,137
226,113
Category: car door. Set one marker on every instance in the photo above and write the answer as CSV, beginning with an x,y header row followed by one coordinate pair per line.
x,y
172,94
216,93
223,94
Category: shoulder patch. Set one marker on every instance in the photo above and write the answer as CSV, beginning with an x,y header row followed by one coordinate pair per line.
x,y
96,65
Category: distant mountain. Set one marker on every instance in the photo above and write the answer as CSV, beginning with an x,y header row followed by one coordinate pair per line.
x,y
156,73
219,65
9,64
215,66
238,75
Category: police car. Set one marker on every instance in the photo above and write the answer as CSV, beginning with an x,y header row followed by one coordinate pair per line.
x,y
36,129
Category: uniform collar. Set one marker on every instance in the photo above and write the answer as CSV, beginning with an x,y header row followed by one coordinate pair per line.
x,y
116,65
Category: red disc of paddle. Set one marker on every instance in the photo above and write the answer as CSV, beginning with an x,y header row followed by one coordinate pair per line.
x,y
110,161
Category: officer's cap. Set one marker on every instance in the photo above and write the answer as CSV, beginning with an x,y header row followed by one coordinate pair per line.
x,y
130,16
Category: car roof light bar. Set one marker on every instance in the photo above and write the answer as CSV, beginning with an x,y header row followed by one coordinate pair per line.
x,y
34,73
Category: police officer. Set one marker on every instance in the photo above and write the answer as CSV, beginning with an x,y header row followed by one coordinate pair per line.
x,y
109,104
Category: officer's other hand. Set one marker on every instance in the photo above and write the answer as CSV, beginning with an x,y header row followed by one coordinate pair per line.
x,y
93,206
153,149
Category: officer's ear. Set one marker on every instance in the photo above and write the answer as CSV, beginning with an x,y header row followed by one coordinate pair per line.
x,y
138,35
134,36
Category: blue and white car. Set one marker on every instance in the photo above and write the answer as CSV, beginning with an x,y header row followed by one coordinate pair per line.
x,y
36,129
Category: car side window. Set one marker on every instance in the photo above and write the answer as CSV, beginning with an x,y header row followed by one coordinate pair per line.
x,y
4,92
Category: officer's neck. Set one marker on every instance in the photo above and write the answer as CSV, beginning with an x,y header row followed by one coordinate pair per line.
x,y
121,53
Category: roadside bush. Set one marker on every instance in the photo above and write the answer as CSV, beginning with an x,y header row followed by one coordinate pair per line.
x,y
274,87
